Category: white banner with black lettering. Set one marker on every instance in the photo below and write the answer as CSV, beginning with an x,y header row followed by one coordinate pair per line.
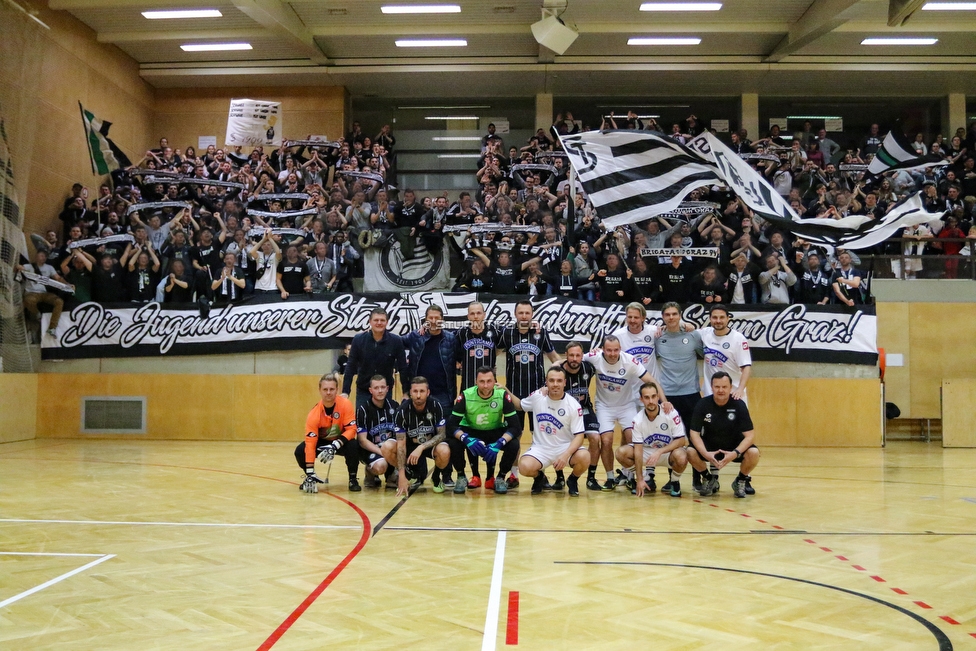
x,y
386,269
829,334
253,123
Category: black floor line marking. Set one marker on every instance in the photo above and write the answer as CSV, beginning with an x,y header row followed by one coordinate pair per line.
x,y
386,518
945,644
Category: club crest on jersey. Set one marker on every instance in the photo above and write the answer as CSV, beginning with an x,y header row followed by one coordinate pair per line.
x,y
336,415
493,405
731,415
622,372
708,418
664,426
561,412
647,338
685,340
725,345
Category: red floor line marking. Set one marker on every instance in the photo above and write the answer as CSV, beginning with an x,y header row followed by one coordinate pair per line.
x,y
730,510
776,526
898,591
972,635
699,501
922,604
841,558
878,579
827,549
744,515
763,521
859,568
807,540
946,618
715,505
310,599
511,635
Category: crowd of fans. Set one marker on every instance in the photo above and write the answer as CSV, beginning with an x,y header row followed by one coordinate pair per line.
x,y
297,220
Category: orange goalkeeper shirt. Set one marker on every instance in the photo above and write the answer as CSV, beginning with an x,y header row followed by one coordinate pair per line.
x,y
328,424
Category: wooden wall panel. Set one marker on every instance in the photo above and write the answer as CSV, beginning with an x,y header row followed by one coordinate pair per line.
x,y
838,413
958,424
772,405
942,347
894,335
18,407
272,407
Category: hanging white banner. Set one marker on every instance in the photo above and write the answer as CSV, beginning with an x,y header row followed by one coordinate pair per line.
x,y
253,123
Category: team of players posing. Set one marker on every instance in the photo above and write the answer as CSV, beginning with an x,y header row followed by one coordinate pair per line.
x,y
486,419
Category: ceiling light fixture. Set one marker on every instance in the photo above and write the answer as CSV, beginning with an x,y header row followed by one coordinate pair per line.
x,y
949,6
421,9
450,117
182,13
681,6
899,41
444,42
456,138
669,40
459,155
216,47
813,117
445,108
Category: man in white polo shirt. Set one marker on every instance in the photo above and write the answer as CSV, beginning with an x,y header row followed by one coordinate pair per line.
x,y
725,350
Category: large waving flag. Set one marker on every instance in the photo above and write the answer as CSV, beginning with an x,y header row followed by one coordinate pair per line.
x,y
897,153
631,176
105,154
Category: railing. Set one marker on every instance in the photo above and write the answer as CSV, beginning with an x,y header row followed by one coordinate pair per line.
x,y
928,265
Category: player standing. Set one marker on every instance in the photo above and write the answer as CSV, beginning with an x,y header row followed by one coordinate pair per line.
x,y
526,345
558,433
725,350
722,432
637,338
657,438
616,374
374,424
579,375
420,435
330,429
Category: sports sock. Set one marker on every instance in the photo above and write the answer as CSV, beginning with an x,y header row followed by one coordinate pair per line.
x,y
648,474
742,477
436,476
591,472
628,472
610,474
675,476
560,475
515,471
713,471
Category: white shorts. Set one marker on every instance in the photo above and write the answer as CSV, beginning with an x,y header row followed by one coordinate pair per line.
x,y
610,416
663,460
545,454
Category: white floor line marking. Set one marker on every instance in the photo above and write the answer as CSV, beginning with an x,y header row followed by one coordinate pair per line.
x,y
44,554
494,596
57,579
182,524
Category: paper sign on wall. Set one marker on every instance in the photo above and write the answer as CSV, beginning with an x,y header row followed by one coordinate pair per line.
x,y
780,122
835,125
205,141
253,123
721,126
501,124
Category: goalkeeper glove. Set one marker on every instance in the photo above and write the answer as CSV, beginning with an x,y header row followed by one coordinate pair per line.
x,y
476,445
328,452
494,449
311,483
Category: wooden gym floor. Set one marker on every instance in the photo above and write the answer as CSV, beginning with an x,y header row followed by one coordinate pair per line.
x,y
120,545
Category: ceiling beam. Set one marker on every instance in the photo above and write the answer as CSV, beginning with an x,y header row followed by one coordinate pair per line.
x,y
933,28
68,5
821,17
197,35
581,27
901,10
282,20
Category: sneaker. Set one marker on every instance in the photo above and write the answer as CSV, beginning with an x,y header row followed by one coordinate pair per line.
x,y
651,486
512,480
373,482
460,485
546,486
696,481
749,489
473,483
609,485
559,484
739,487
572,483
667,487
620,478
538,483
501,486
632,485
448,481
490,484
709,487
354,486
675,488
592,484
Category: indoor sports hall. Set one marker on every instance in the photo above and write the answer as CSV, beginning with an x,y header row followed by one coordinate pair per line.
x,y
463,234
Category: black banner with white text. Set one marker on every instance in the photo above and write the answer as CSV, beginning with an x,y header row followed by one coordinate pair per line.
x,y
829,334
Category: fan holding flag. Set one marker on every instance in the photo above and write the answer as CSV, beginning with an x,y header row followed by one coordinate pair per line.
x,y
105,154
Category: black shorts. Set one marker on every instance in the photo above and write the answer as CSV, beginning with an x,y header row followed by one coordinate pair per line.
x,y
711,449
591,424
367,457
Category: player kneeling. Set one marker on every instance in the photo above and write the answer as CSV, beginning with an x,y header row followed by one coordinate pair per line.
x,y
558,433
330,429
420,435
657,438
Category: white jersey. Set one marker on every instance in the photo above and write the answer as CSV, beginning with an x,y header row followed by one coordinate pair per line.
x,y
616,384
729,353
660,432
557,422
639,346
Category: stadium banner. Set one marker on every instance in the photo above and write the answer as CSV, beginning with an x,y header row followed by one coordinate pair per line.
x,y
789,333
386,269
253,123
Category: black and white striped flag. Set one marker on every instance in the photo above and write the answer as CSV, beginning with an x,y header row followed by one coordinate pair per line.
x,y
635,175
897,153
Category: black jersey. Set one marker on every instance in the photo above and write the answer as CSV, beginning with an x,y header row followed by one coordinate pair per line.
x,y
419,426
474,350
578,384
525,369
376,422
721,427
